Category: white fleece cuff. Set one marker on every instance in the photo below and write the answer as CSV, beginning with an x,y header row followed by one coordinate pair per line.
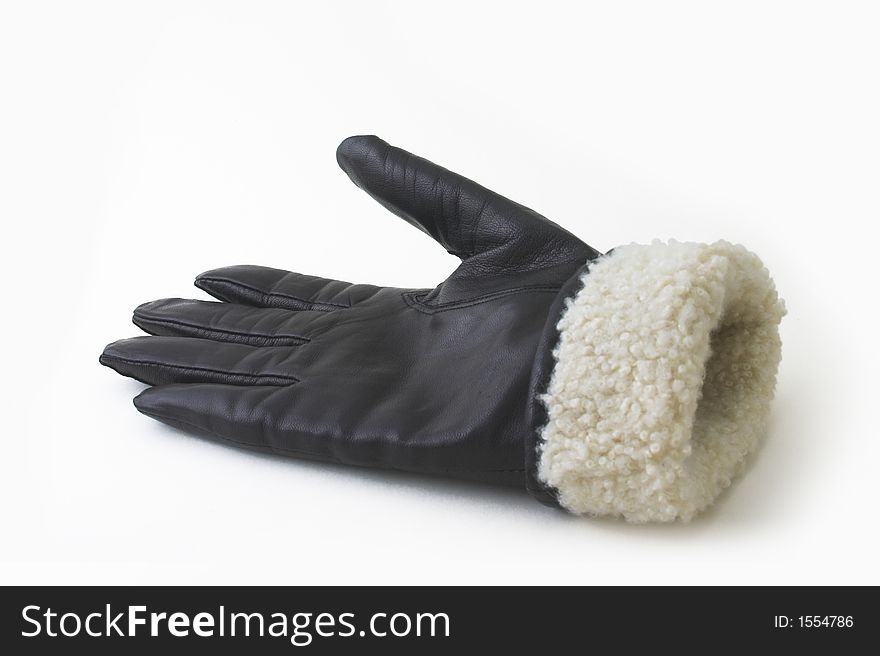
x,y
662,382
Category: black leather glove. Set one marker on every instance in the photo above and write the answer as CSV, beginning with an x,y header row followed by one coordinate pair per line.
x,y
631,384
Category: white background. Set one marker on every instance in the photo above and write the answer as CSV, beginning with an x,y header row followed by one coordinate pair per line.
x,y
142,143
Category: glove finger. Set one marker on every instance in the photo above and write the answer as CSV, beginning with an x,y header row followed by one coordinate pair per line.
x,y
266,287
163,360
241,416
224,412
227,322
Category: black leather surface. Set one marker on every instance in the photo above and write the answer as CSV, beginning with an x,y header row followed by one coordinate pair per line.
x,y
424,380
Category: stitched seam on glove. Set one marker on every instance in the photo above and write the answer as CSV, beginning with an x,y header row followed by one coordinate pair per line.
x,y
266,296
252,379
268,340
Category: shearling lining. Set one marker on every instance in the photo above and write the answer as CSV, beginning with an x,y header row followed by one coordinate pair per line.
x,y
664,372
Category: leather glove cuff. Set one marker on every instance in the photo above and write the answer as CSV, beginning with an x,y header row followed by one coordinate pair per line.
x,y
654,380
